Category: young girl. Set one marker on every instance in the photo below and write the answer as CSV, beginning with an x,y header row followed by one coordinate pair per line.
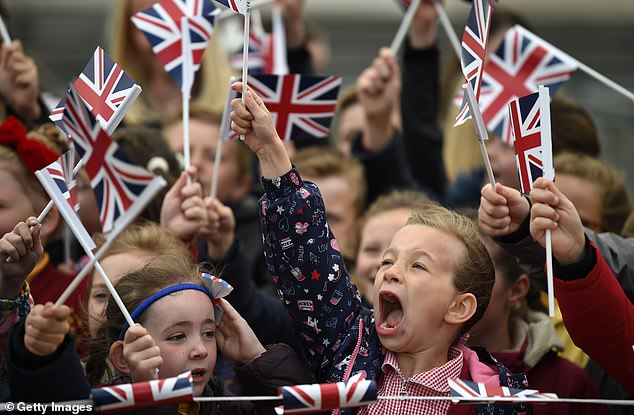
x,y
179,323
434,283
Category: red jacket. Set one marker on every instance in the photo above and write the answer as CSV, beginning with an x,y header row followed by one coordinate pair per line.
x,y
600,320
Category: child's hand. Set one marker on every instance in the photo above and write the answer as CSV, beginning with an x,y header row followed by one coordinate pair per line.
x,y
253,120
141,354
501,211
45,328
553,210
235,338
19,81
220,228
183,212
24,248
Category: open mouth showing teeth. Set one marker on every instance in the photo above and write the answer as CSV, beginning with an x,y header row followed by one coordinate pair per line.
x,y
391,310
198,373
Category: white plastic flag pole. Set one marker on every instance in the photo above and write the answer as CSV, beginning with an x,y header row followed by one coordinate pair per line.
x,y
446,24
5,33
245,52
405,23
186,90
549,173
480,128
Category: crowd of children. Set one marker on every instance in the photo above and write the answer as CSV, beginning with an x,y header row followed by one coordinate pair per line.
x,y
375,272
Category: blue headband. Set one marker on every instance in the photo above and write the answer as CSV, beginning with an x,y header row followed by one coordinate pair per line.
x,y
162,293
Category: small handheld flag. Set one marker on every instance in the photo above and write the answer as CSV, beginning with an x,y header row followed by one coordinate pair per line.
x,y
302,106
238,6
468,389
143,394
304,399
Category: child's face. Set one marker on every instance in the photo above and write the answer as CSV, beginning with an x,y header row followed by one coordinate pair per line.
x,y
182,325
115,266
376,235
414,288
15,205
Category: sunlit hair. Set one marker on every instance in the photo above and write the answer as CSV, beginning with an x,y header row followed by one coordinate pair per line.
x,y
212,79
615,199
474,272
133,288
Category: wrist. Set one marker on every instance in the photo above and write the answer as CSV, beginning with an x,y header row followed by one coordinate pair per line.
x,y
274,160
377,136
421,38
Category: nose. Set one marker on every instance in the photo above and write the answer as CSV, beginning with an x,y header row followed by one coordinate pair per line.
x,y
392,274
199,349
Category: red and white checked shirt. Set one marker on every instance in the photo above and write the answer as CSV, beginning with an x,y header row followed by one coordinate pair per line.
x,y
430,383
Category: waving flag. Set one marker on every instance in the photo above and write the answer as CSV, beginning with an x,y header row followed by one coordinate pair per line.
x,y
468,389
474,41
238,6
530,118
302,106
162,26
304,399
143,394
105,88
57,180
522,62
260,53
122,188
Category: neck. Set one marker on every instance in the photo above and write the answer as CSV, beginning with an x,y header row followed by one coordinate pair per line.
x,y
412,363
495,339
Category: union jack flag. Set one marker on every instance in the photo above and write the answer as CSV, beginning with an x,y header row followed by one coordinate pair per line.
x,y
58,181
522,62
305,399
238,6
474,41
467,389
260,53
105,88
302,106
143,394
122,188
532,145
162,25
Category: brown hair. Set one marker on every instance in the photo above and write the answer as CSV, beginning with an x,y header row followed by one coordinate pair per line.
x,y
475,272
572,128
133,288
616,201
324,162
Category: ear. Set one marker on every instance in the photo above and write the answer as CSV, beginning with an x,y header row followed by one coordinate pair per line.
x,y
461,309
518,291
116,357
50,225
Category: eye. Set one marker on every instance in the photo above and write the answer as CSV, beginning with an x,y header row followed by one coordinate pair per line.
x,y
373,250
209,334
100,296
419,266
176,337
386,262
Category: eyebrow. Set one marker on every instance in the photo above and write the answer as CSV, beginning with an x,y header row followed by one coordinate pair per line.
x,y
187,323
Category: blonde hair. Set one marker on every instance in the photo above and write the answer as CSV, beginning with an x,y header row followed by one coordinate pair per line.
x,y
616,201
211,82
475,272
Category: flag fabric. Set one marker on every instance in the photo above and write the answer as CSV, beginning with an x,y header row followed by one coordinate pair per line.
x,y
105,88
57,180
304,399
521,63
468,389
260,59
133,396
533,152
302,106
238,6
162,26
121,187
474,41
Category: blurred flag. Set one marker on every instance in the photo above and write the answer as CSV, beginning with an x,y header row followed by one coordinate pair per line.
x,y
468,389
133,396
474,41
305,399
162,26
521,63
302,106
105,88
121,187
238,6
57,180
533,152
